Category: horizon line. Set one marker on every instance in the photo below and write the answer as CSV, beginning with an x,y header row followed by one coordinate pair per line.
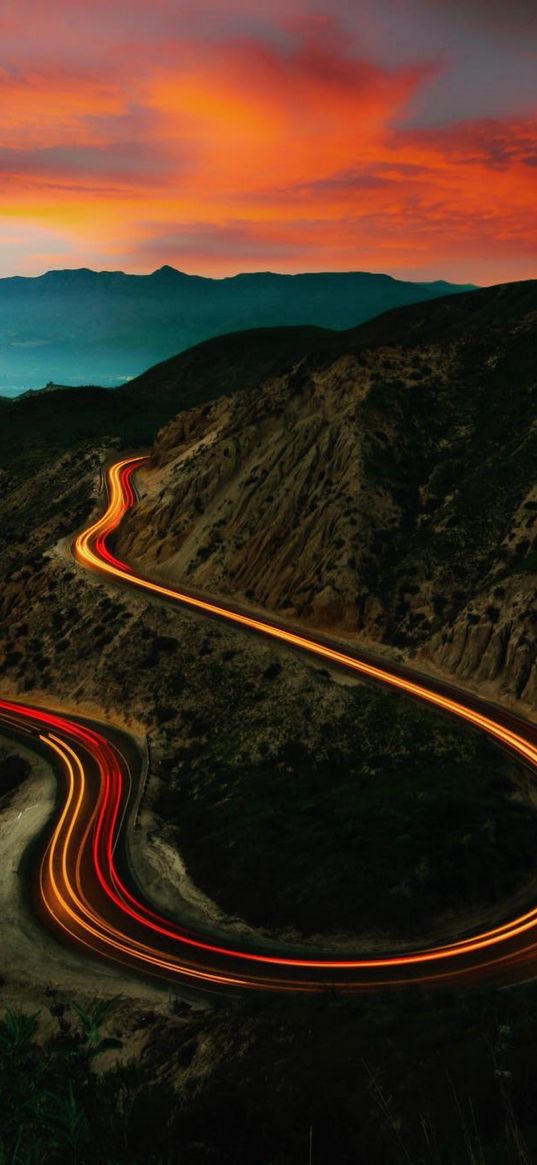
x,y
240,274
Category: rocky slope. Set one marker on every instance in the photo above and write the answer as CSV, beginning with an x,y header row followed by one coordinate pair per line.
x,y
387,491
275,1068
39,425
268,1066
272,780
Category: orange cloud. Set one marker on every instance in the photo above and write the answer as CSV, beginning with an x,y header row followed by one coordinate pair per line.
x,y
53,107
260,115
292,152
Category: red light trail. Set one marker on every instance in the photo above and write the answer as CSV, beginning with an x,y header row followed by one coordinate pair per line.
x,y
86,896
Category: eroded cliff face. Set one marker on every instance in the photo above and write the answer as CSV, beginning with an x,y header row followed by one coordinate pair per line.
x,y
387,494
492,643
269,495
272,779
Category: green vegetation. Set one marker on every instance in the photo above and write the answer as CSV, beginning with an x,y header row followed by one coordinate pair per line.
x,y
405,1078
52,1106
460,457
389,817
33,516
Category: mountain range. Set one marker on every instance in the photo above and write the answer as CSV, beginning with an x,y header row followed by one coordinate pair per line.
x,y
83,326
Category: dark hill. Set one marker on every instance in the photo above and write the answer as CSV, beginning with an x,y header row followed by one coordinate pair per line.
x,y
58,418
454,317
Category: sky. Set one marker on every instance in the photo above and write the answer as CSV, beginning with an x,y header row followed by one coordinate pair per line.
x,y
291,135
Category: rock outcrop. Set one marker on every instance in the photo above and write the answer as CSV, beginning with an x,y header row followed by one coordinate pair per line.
x,y
387,492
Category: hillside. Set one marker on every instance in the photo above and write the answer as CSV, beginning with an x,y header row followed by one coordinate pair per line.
x,y
384,489
481,313
294,800
83,326
42,424
297,803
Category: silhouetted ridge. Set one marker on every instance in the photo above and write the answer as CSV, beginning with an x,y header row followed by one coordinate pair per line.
x,y
82,326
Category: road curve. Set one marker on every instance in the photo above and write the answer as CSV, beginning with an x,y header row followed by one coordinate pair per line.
x,y
84,885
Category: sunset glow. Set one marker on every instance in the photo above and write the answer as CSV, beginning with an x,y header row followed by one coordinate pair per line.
x,y
222,139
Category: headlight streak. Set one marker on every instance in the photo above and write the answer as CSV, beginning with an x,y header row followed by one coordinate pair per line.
x,y
81,887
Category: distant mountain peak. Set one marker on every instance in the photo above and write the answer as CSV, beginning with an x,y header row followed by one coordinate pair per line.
x,y
107,326
76,273
168,272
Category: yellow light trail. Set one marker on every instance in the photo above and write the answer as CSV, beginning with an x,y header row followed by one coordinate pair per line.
x,y
81,886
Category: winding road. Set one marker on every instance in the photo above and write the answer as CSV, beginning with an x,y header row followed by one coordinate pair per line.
x,y
85,889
